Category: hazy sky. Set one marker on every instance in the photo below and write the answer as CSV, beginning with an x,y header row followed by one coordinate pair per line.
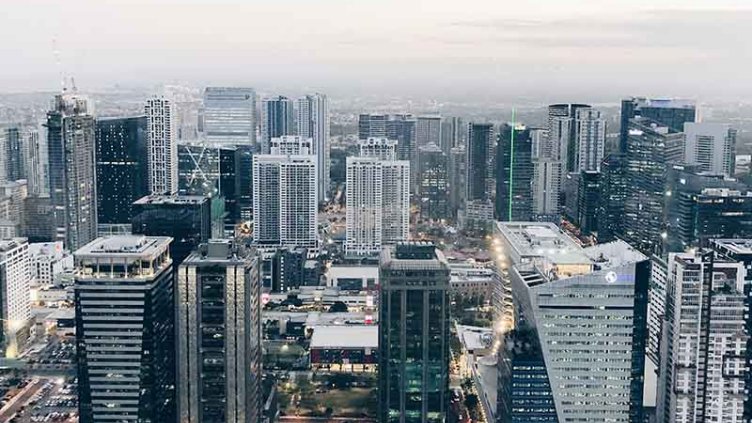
x,y
493,47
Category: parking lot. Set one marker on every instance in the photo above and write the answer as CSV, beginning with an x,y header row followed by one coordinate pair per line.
x,y
45,400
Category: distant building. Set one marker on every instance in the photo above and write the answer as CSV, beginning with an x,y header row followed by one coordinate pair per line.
x,y
413,334
563,132
125,330
588,201
546,179
230,116
277,119
428,130
453,132
514,173
219,335
590,130
481,144
372,125
314,122
613,186
457,175
71,146
712,146
186,219
433,182
15,278
378,148
162,148
13,216
48,260
122,174
671,113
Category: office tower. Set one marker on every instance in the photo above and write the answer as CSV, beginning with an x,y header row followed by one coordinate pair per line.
x,y
413,334
48,260
15,277
428,130
588,201
122,174
245,181
402,127
457,174
546,179
651,147
186,219
700,207
563,133
433,182
277,119
285,200
710,145
702,367
378,202
229,115
590,132
125,342
4,136
378,148
453,133
671,113
219,335
570,183
162,153
213,171
372,125
613,194
514,173
480,159
12,162
13,196
36,163
70,139
583,371
313,122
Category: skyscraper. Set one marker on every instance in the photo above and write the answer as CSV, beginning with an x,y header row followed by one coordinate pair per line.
x,y
230,115
12,162
428,130
378,202
588,201
162,153
586,309
546,180
703,350
590,132
480,158
650,148
70,140
37,163
453,133
125,330
563,133
15,277
671,113
219,335
710,145
372,125
613,186
122,176
313,122
413,334
433,182
285,197
457,174
514,173
277,119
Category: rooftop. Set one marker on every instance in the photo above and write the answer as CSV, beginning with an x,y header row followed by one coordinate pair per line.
x,y
366,336
542,240
614,254
125,246
737,246
10,244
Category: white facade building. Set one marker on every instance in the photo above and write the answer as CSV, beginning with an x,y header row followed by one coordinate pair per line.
x,y
711,145
15,279
48,259
230,115
379,148
591,139
314,122
547,168
162,154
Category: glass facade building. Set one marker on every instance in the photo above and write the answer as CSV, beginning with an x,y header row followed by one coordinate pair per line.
x,y
514,174
230,115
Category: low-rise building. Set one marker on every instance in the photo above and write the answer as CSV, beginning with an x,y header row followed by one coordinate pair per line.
x,y
351,348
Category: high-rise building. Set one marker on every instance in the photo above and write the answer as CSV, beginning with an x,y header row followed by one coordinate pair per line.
x,y
514,173
287,145
277,119
213,171
285,198
162,152
453,132
457,174
481,144
13,216
245,181
314,122
613,194
710,145
590,131
378,198
125,330
372,125
71,146
703,350
219,335
433,182
563,133
229,115
186,219
588,201
428,130
15,277
402,127
413,334
12,162
671,113
48,260
37,164
585,310
546,180
651,147
122,175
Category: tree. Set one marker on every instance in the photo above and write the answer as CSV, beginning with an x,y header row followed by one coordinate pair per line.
x,y
338,307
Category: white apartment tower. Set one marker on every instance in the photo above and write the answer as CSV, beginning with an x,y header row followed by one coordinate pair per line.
x,y
285,196
15,277
711,145
547,168
378,198
591,139
703,348
162,153
314,122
